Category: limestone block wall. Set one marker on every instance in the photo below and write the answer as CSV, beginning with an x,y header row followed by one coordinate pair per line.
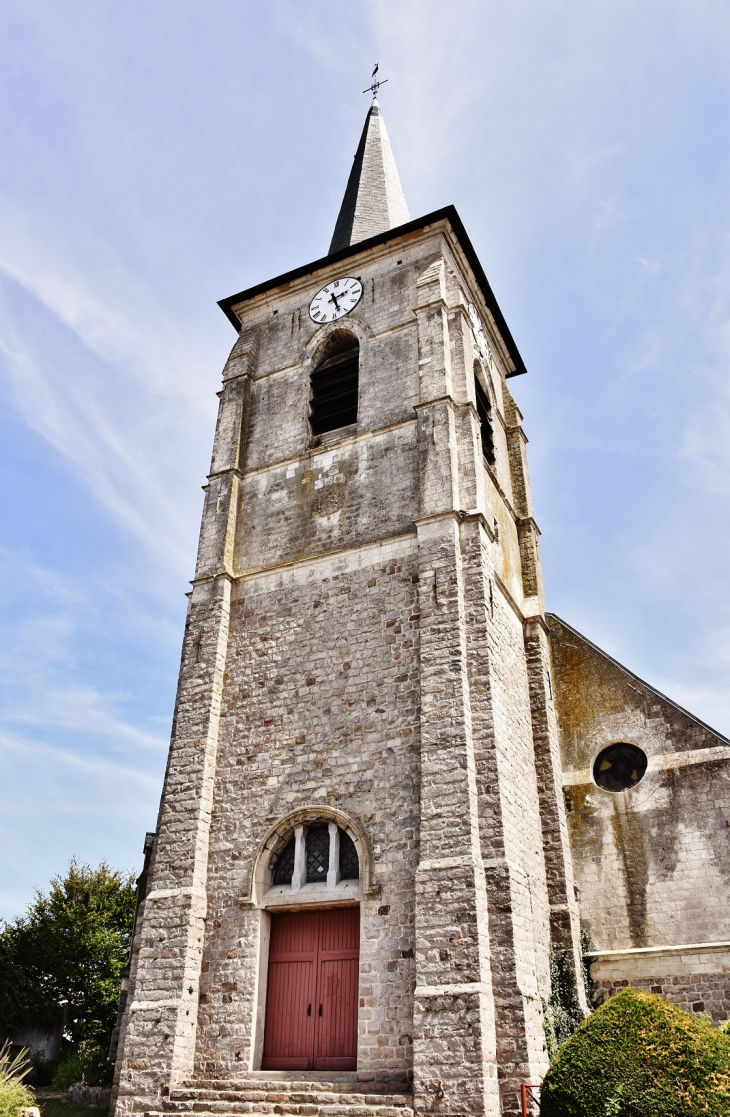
x,y
350,494
320,706
652,863
696,978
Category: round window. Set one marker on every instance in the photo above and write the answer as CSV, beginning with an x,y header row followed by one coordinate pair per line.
x,y
619,767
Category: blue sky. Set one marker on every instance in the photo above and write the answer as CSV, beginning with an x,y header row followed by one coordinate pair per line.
x,y
158,157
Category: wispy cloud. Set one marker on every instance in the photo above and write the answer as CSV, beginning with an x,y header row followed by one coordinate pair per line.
x,y
121,419
81,753
156,159
54,760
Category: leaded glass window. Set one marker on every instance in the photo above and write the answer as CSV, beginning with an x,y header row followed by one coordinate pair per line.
x,y
284,867
349,863
318,853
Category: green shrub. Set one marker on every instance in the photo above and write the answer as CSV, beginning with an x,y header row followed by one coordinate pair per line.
x,y
639,1056
725,1027
69,1071
88,1063
98,1071
14,1094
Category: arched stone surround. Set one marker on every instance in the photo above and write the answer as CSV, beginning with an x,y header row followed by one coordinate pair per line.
x,y
280,833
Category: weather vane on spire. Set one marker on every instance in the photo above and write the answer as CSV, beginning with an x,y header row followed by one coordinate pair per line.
x,y
376,84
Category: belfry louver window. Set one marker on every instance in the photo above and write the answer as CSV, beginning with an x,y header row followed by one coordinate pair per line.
x,y
334,390
484,411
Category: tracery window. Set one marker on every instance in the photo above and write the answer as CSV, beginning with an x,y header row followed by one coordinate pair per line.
x,y
334,385
349,863
316,840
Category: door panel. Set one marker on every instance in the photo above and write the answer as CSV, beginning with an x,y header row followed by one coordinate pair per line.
x,y
311,1003
335,1046
291,990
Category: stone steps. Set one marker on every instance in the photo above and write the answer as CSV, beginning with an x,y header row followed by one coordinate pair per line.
x,y
300,1097
180,1100
339,1082
294,1109
305,1097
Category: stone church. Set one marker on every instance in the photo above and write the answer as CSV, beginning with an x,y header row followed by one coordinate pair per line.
x,y
394,779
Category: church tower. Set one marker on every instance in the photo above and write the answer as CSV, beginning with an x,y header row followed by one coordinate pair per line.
x,y
361,855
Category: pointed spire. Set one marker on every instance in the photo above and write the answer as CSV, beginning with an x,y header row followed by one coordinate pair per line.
x,y
374,200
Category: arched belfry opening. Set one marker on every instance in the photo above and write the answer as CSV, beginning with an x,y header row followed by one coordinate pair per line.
x,y
484,411
334,384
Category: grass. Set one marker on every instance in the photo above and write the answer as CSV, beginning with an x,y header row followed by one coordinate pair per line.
x,y
59,1107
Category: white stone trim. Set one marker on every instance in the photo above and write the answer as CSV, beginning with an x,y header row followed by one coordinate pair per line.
x,y
299,876
333,869
283,896
195,891
659,762
446,863
341,562
450,990
660,961
147,1006
681,948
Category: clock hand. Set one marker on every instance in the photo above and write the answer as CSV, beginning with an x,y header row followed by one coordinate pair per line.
x,y
333,299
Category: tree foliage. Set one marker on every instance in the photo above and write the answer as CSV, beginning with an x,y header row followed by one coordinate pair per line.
x,y
639,1056
71,945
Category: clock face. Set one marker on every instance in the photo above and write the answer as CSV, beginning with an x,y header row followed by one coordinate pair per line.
x,y
335,300
478,330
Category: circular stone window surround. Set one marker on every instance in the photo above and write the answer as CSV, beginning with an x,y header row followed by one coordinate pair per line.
x,y
619,766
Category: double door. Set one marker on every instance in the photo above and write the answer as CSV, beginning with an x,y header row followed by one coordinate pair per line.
x,y
311,999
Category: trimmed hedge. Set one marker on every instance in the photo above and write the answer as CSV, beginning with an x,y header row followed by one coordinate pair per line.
x,y
639,1056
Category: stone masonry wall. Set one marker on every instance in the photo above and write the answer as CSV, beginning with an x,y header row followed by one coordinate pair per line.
x,y
513,854
320,705
652,863
696,980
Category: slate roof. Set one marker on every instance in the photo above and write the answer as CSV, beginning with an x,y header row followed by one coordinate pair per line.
x,y
374,200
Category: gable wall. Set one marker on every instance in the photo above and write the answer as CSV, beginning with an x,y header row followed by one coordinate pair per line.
x,y
652,863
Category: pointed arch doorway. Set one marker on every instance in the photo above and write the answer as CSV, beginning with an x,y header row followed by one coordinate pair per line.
x,y
312,990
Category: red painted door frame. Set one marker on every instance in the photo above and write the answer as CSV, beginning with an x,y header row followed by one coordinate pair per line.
x,y
311,1001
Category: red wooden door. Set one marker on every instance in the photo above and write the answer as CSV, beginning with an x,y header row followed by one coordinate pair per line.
x,y
311,1003
335,1036
291,991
